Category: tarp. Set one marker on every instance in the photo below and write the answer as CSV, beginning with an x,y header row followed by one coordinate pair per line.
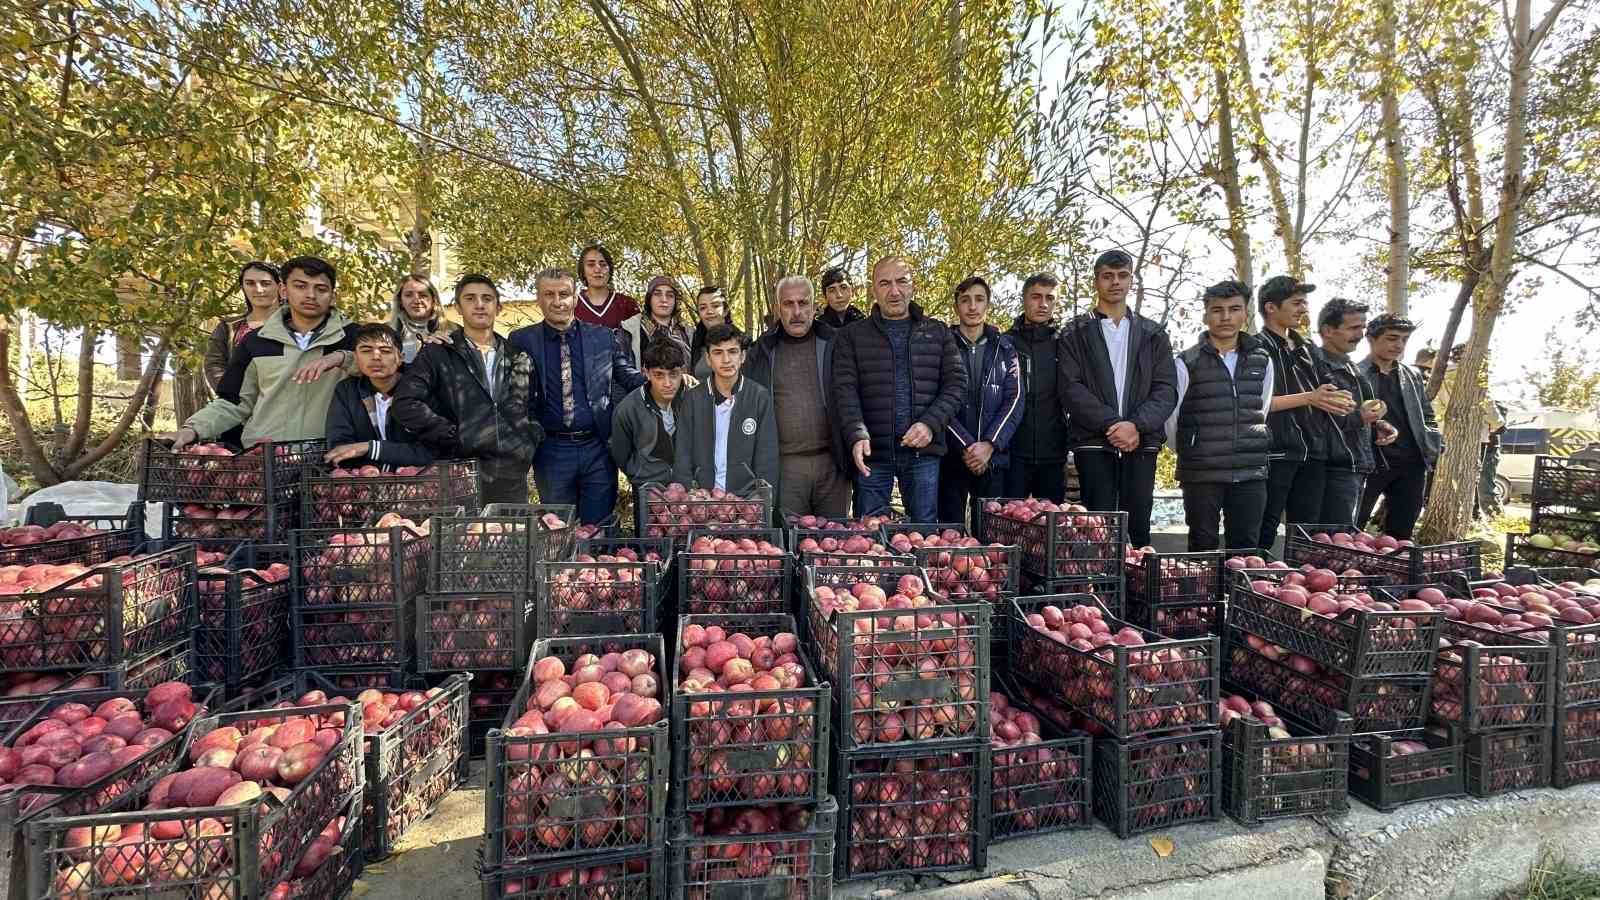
x,y
94,498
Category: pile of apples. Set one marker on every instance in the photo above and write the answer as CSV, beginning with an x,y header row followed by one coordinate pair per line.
x,y
866,524
914,675
1399,748
465,632
746,749
1079,543
569,785
1036,784
263,615
912,812
786,851
611,881
960,566
1507,686
1071,653
734,576
1578,728
1169,781
673,510
1309,690
343,497
1326,596
27,535
354,566
202,521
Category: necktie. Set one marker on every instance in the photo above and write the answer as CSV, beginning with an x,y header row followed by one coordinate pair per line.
x,y
567,405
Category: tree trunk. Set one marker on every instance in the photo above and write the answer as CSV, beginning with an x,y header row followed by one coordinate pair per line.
x,y
1399,179
1251,112
1448,514
128,362
189,392
1441,362
16,415
1228,180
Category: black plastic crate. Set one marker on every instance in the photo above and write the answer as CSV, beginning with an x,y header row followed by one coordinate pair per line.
x,y
226,527
713,582
1179,595
490,701
353,595
627,875
1062,544
111,536
336,877
709,866
174,662
881,793
332,497
1522,551
602,591
496,552
1563,482
799,526
1576,745
1575,659
827,541
1266,778
1583,527
1501,761
266,474
24,693
229,860
1402,565
989,572
1106,590
1158,782
243,620
767,745
660,511
112,613
1385,781
1126,690
1486,680
1356,643
900,675
457,632
413,764
1380,703
1041,787
564,795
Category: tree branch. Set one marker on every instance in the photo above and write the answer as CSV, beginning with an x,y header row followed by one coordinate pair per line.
x,y
141,395
80,421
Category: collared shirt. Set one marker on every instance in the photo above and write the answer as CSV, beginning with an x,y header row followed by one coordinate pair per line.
x,y
550,408
1230,360
488,369
1116,338
723,407
380,414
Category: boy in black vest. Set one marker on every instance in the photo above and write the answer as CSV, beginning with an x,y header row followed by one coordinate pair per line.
x,y
1219,429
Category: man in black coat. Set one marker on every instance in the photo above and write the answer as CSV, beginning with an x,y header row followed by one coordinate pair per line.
x,y
1409,457
897,380
360,429
467,398
1118,386
1038,453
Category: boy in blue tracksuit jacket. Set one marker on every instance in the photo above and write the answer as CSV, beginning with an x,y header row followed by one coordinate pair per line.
x,y
974,465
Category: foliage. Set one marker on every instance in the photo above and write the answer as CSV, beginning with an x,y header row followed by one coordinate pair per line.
x,y
1568,377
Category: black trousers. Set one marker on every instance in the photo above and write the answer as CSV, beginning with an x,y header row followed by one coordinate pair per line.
x,y
1126,481
1402,491
503,490
1238,505
1045,480
1341,491
960,491
1295,490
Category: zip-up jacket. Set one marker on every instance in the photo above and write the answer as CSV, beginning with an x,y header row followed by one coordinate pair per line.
x,y
444,399
752,443
998,376
1042,435
1222,429
635,432
259,392
1088,385
758,368
350,421
1295,437
1419,412
837,320
607,374
864,387
1348,440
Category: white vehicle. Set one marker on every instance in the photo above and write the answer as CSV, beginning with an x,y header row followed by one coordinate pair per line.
x,y
1559,432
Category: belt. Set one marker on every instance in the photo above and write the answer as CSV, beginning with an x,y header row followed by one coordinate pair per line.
x,y
572,435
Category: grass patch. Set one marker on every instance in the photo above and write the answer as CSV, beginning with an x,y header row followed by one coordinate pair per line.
x,y
1551,878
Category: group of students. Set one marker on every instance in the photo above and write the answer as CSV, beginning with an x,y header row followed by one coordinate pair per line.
x,y
831,403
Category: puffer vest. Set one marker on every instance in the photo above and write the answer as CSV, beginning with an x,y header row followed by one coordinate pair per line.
x,y
1222,433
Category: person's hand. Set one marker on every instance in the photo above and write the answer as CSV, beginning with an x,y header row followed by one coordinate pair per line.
x,y
1330,399
346,452
1124,436
183,437
859,452
436,337
977,456
917,437
1387,434
319,367
690,382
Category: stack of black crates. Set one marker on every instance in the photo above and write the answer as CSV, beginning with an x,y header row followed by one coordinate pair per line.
x,y
1565,531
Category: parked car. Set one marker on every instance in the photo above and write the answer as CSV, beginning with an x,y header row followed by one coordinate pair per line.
x,y
1559,432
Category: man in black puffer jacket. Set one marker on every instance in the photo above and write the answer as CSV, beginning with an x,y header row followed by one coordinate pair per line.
x,y
1039,448
1118,386
1219,429
897,380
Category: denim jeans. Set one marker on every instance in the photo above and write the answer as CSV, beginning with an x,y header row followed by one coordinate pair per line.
x,y
919,484
579,473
